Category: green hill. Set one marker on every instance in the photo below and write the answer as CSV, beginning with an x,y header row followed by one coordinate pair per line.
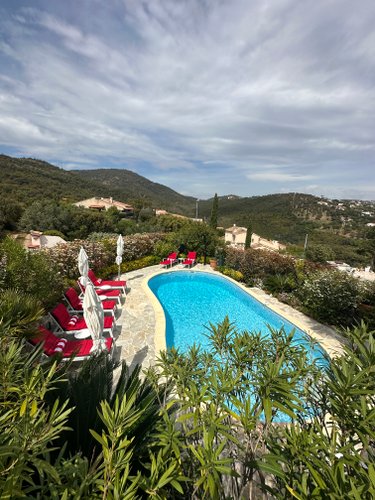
x,y
24,180
130,186
285,217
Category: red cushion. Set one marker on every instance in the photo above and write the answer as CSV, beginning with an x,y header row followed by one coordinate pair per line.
x,y
77,347
62,316
112,283
73,299
83,347
108,305
109,293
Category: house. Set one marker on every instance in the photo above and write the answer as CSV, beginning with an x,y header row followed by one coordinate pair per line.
x,y
264,244
100,204
159,212
235,236
36,240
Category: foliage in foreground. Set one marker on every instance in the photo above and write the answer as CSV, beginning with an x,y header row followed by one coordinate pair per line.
x,y
32,273
216,435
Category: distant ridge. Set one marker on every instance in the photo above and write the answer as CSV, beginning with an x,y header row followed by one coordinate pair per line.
x,y
27,179
286,217
132,186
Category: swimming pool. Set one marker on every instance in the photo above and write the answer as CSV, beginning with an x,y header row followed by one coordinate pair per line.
x,y
193,299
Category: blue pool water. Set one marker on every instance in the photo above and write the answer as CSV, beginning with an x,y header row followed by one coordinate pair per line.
x,y
191,300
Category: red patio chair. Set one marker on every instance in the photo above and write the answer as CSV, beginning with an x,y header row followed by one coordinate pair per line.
x,y
75,303
103,294
106,284
170,260
53,345
190,259
74,324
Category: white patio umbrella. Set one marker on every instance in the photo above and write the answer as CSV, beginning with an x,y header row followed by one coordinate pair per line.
x,y
94,316
119,252
83,266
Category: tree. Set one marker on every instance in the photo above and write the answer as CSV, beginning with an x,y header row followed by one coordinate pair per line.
x,y
198,237
370,237
248,235
320,253
214,212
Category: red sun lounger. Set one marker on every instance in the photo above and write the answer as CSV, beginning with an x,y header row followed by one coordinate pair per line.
x,y
106,284
53,345
170,260
72,323
75,303
190,259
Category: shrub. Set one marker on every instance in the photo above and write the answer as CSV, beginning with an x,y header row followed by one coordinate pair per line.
x,y
101,253
280,283
232,273
258,263
126,267
29,272
331,296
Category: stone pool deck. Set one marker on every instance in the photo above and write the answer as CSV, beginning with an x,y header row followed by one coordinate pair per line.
x,y
140,330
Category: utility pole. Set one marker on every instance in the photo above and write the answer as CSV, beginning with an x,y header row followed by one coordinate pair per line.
x,y
196,208
305,245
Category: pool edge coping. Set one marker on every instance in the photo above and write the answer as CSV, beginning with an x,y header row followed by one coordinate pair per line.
x,y
326,336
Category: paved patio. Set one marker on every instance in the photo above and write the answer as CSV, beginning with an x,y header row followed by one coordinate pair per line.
x,y
140,330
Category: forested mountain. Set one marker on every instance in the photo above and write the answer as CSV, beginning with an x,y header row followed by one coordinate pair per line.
x,y
25,180
132,186
285,217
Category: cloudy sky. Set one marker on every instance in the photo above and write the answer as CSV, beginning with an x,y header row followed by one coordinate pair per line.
x,y
229,96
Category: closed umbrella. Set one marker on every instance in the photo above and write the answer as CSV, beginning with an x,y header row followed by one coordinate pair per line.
x,y
94,316
83,266
119,252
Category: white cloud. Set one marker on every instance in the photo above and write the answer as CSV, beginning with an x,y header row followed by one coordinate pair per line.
x,y
279,176
246,93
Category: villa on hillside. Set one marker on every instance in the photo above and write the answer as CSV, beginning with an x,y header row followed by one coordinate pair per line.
x,y
235,237
36,240
100,204
159,212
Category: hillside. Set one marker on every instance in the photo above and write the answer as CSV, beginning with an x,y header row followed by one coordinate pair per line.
x,y
289,217
285,217
132,186
26,179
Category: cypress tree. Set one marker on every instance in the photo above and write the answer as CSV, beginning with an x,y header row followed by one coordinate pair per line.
x,y
248,235
214,212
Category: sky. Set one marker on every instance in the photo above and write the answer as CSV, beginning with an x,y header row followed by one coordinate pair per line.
x,y
245,97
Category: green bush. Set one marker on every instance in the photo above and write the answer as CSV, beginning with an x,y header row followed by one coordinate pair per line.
x,y
258,263
101,253
232,273
29,272
331,296
280,283
126,267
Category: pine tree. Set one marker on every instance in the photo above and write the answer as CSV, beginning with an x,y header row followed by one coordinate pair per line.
x,y
214,212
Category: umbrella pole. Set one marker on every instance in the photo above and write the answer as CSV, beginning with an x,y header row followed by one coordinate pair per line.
x,y
119,272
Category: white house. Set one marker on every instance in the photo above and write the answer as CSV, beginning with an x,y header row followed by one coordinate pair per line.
x,y
235,237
